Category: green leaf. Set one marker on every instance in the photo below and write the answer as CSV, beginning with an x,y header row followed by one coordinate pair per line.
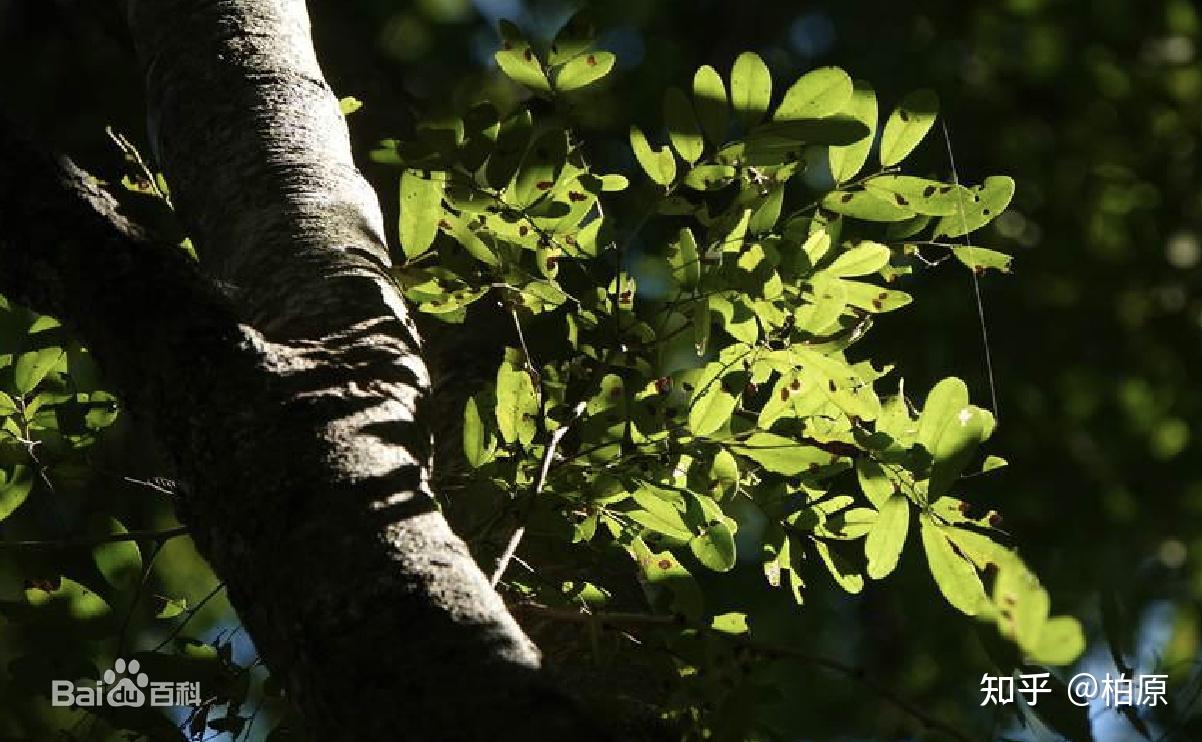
x,y
522,66
14,490
782,455
943,403
845,573
980,259
685,260
7,405
475,448
737,318
847,161
821,92
709,98
950,430
780,142
584,70
33,366
730,623
876,486
884,544
982,204
711,409
517,400
172,607
724,474
866,205
715,547
349,105
659,515
920,195
824,304
710,177
662,570
750,88
539,169
120,561
861,260
768,212
993,462
955,445
955,576
421,208
659,164
459,228
907,126
683,129
1061,641
576,37
873,299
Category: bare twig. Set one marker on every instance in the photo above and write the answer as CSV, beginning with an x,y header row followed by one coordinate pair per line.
x,y
541,482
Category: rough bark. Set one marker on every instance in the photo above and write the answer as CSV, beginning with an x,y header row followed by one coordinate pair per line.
x,y
284,376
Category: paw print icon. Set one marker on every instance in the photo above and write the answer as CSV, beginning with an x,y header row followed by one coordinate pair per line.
x,y
128,690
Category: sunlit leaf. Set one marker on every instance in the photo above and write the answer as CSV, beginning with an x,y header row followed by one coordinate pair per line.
x,y
821,92
907,126
750,88
884,544
847,161
421,208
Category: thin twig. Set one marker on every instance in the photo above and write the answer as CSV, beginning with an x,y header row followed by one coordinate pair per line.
x,y
552,445
190,615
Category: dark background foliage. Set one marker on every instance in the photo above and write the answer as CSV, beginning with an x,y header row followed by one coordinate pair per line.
x,y
1093,106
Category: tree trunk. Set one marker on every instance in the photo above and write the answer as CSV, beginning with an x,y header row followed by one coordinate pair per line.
x,y
284,376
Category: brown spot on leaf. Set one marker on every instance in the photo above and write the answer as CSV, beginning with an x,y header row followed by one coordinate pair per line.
x,y
795,385
665,564
592,60
544,185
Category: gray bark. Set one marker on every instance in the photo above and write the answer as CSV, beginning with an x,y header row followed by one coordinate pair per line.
x,y
284,376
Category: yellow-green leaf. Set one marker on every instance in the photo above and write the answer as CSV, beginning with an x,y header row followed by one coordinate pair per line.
x,y
821,92
884,544
750,88
709,97
683,129
907,126
583,70
659,164
421,208
848,160
955,576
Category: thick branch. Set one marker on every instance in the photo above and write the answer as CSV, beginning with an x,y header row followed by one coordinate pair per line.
x,y
310,467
